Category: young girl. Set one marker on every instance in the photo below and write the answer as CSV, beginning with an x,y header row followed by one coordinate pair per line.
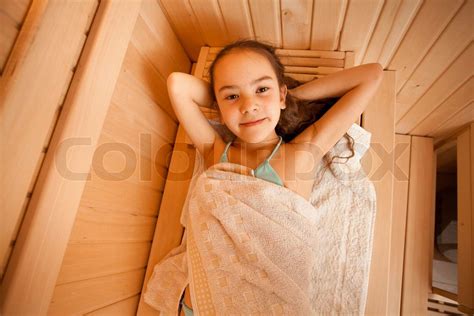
x,y
281,133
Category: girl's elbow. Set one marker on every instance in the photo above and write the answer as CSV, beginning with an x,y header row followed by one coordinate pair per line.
x,y
376,71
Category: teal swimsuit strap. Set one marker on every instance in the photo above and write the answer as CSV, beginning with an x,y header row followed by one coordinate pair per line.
x,y
224,154
274,149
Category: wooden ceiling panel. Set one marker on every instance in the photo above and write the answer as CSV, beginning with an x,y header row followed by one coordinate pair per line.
x,y
457,73
328,17
428,24
443,52
394,21
296,16
266,19
361,17
237,18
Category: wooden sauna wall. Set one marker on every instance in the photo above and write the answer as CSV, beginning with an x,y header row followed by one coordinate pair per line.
x,y
37,65
427,42
105,260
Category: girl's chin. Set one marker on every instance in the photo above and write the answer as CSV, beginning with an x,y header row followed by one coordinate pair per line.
x,y
251,138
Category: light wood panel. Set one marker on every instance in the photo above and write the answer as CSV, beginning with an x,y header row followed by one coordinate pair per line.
x,y
442,54
361,17
12,17
181,16
453,77
89,295
393,23
95,225
237,19
32,88
29,282
447,109
419,227
328,17
421,35
117,213
127,307
465,196
83,261
378,164
169,231
211,22
401,171
296,17
456,123
266,17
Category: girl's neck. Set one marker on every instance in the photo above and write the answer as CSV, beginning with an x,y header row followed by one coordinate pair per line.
x,y
267,144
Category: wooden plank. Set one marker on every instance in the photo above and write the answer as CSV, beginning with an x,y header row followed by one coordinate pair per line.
x,y
312,70
447,109
407,12
146,42
421,35
382,28
125,153
89,295
238,22
140,112
310,53
443,309
127,307
349,60
420,218
359,23
95,225
137,68
447,48
266,21
393,23
397,238
121,196
302,77
452,78
185,24
30,96
455,124
378,164
303,61
211,22
24,16
169,231
313,62
29,283
88,261
465,186
328,17
291,53
296,16
166,44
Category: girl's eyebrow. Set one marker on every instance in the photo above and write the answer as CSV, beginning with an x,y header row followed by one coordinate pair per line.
x,y
253,82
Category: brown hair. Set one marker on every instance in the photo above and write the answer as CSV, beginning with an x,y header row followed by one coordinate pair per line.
x,y
298,113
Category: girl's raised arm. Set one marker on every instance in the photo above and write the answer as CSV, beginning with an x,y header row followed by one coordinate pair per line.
x,y
186,94
356,85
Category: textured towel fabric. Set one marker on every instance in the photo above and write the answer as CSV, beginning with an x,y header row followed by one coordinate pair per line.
x,y
277,253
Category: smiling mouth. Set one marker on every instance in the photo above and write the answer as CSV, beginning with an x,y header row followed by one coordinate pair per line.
x,y
253,123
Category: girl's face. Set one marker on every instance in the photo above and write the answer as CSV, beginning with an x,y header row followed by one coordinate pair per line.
x,y
247,90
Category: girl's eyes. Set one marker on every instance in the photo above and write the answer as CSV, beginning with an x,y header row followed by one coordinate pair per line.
x,y
259,89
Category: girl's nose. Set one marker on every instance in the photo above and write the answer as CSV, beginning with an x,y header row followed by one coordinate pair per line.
x,y
248,105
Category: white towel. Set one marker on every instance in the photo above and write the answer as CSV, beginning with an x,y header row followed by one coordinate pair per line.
x,y
345,204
